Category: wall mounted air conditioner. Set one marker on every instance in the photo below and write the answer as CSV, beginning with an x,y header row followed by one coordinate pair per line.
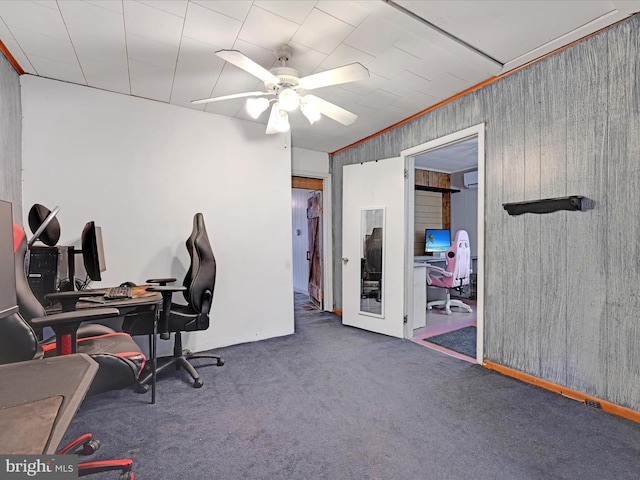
x,y
471,179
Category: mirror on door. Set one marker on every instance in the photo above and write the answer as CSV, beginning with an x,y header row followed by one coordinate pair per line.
x,y
371,262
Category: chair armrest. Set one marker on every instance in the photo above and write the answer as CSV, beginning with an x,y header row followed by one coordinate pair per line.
x,y
439,270
68,300
65,325
167,292
161,281
74,318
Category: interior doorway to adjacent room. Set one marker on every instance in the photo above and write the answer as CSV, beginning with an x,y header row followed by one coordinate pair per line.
x,y
456,155
307,238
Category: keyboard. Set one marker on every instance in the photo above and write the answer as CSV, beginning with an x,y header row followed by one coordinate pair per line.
x,y
117,292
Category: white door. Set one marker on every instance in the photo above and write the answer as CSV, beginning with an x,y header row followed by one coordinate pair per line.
x,y
373,246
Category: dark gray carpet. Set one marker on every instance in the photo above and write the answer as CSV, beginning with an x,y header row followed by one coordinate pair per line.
x,y
333,402
462,341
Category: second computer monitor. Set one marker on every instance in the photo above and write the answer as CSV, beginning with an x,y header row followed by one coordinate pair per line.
x,y
437,240
93,251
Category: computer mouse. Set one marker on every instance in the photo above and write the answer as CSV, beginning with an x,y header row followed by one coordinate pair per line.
x,y
127,284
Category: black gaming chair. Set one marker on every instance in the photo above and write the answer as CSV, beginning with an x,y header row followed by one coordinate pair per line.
x,y
119,357
197,288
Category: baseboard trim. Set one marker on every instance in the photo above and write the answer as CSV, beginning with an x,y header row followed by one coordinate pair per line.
x,y
565,391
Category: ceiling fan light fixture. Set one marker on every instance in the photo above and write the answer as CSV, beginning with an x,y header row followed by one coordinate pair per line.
x,y
278,120
309,111
255,106
288,99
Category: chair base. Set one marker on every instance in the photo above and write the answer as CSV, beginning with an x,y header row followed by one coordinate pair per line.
x,y
448,303
180,361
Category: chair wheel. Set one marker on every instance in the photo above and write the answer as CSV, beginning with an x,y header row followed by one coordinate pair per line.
x,y
142,388
90,447
220,362
197,383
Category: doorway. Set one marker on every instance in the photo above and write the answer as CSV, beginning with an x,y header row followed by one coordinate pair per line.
x,y
467,211
307,238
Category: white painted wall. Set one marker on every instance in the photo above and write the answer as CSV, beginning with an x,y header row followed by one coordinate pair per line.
x,y
309,163
464,211
87,150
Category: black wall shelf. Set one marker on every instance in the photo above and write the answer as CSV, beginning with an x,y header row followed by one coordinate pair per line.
x,y
435,189
547,205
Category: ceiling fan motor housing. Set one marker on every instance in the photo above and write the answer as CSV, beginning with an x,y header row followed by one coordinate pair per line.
x,y
288,78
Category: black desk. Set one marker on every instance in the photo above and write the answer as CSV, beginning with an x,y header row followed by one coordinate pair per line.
x,y
149,306
39,398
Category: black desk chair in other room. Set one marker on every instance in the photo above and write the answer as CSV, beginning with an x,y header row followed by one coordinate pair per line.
x,y
197,289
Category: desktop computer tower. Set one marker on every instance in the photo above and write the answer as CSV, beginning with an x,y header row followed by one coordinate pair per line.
x,y
42,271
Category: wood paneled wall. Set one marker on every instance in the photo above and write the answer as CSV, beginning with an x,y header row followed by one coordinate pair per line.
x,y
10,138
561,289
428,214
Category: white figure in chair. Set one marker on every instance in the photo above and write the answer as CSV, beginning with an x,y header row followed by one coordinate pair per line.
x,y
455,276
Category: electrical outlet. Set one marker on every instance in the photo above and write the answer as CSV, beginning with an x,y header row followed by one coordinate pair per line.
x,y
592,403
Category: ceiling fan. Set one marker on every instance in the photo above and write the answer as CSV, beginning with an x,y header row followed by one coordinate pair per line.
x,y
287,87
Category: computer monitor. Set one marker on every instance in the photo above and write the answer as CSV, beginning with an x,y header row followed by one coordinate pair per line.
x,y
436,240
92,251
8,299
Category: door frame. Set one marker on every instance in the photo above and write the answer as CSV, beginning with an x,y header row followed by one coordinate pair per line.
x,y
409,154
327,244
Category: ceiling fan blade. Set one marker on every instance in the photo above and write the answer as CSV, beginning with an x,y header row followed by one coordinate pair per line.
x,y
245,63
348,73
229,97
331,110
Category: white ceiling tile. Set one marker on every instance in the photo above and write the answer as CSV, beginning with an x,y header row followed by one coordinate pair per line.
x,y
238,9
32,17
344,55
296,11
374,35
434,64
57,50
392,62
262,56
211,27
347,11
378,99
305,59
149,81
415,45
14,47
58,70
197,72
154,53
174,7
446,85
105,76
96,32
322,32
108,5
266,30
157,25
486,24
414,102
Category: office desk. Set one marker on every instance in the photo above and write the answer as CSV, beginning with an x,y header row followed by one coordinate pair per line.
x,y
148,305
420,288
38,400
